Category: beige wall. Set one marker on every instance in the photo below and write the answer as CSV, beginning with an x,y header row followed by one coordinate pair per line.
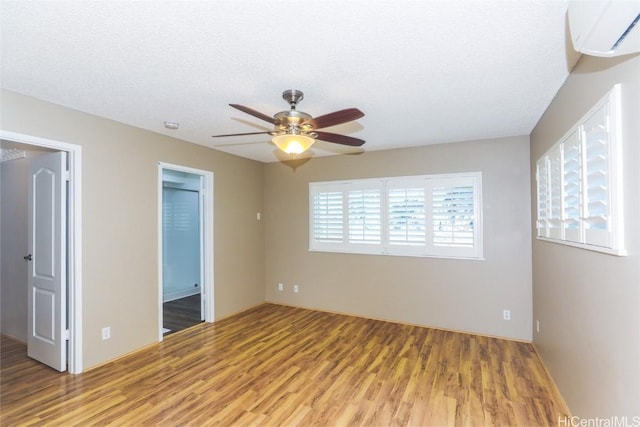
x,y
119,192
588,303
454,294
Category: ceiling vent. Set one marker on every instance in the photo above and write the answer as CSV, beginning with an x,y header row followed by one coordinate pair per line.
x,y
605,27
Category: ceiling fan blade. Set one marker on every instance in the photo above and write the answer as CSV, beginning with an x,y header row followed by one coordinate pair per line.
x,y
339,139
336,118
253,113
240,134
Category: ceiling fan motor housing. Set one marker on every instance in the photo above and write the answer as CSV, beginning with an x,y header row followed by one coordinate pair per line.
x,y
293,122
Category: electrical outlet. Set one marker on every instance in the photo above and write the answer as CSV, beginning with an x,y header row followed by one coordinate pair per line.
x,y
106,333
506,314
537,326
281,286
295,288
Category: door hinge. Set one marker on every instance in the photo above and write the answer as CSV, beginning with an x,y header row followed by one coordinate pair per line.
x,y
67,175
67,335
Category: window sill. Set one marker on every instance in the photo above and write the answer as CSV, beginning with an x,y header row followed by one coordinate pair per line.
x,y
601,249
410,255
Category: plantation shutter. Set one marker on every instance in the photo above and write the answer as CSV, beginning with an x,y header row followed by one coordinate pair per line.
x,y
407,221
542,177
572,188
579,182
555,194
365,216
327,211
426,215
596,158
453,217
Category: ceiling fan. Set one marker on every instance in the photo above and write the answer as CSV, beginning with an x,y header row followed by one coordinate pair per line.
x,y
295,131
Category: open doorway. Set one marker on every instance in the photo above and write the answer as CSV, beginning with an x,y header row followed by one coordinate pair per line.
x,y
181,250
185,217
59,324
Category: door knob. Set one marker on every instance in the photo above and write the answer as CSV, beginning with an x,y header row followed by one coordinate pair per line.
x,y
28,258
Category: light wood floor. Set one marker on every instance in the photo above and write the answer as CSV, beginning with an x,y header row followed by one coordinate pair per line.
x,y
276,365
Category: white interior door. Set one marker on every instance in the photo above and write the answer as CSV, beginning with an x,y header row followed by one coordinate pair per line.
x,y
47,321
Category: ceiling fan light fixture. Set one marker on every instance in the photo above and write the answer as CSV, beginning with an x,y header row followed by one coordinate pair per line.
x,y
293,144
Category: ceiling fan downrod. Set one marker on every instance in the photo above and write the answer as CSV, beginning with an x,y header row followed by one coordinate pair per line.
x,y
286,121
293,96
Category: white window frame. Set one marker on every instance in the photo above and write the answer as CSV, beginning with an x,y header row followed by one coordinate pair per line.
x,y
566,182
419,246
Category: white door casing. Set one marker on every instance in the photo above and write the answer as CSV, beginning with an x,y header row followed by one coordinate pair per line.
x,y
204,297
74,244
47,281
206,235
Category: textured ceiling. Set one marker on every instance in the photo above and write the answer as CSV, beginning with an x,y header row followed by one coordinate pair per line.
x,y
423,72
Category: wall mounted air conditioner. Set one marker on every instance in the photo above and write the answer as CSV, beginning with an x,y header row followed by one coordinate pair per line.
x,y
605,27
